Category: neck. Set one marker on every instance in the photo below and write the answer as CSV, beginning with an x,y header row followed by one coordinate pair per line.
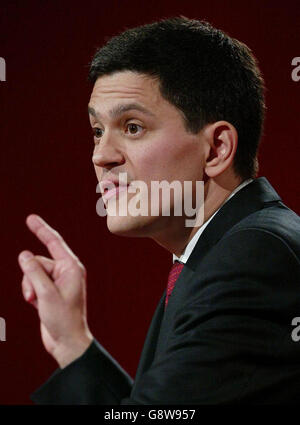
x,y
175,236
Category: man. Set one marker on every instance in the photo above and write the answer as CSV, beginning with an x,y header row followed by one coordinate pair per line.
x,y
179,100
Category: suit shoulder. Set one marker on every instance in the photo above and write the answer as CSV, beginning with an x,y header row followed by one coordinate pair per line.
x,y
277,221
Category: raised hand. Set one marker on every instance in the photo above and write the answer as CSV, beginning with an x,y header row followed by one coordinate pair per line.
x,y
57,288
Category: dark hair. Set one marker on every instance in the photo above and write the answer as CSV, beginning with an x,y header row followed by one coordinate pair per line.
x,y
202,71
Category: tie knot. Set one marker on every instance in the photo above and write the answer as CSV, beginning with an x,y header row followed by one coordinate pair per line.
x,y
173,276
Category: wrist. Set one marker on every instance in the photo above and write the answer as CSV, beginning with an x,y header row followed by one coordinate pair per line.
x,y
69,351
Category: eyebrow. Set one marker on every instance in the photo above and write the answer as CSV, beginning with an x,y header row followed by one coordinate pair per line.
x,y
120,109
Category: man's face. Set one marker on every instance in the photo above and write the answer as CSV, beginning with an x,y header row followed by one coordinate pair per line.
x,y
138,132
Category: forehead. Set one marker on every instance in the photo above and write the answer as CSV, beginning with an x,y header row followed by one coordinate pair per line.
x,y
121,89
119,92
126,85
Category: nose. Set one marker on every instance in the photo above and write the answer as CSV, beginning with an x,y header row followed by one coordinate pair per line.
x,y
107,154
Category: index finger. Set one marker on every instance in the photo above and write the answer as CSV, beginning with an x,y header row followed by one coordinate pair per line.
x,y
49,237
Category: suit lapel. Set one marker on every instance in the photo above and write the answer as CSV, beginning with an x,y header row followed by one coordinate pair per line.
x,y
151,340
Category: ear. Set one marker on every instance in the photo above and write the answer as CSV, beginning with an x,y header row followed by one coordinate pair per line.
x,y
221,143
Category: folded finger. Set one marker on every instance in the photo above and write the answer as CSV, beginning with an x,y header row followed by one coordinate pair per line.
x,y
27,287
41,282
28,291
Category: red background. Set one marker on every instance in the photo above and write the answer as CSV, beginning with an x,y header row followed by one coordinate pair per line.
x,y
46,168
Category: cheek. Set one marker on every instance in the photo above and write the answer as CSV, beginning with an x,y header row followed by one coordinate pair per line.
x,y
168,158
154,163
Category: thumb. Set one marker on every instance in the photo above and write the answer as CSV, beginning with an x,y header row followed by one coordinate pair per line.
x,y
47,264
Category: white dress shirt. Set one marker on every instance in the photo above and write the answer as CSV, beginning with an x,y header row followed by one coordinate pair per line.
x,y
191,245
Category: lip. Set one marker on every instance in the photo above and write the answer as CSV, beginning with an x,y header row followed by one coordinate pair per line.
x,y
114,192
112,182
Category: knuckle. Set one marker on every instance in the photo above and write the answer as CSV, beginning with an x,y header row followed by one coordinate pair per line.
x,y
53,242
74,263
39,231
82,267
47,293
71,262
30,265
55,232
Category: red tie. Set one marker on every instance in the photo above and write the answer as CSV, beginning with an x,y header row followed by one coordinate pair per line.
x,y
173,276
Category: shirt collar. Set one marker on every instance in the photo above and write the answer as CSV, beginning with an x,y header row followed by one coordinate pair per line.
x,y
191,245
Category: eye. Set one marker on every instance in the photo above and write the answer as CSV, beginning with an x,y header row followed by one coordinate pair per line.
x,y
133,128
98,132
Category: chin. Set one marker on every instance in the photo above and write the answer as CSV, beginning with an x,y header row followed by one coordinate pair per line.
x,y
128,226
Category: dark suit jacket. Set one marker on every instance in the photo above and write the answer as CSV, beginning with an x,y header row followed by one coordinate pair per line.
x,y
225,336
